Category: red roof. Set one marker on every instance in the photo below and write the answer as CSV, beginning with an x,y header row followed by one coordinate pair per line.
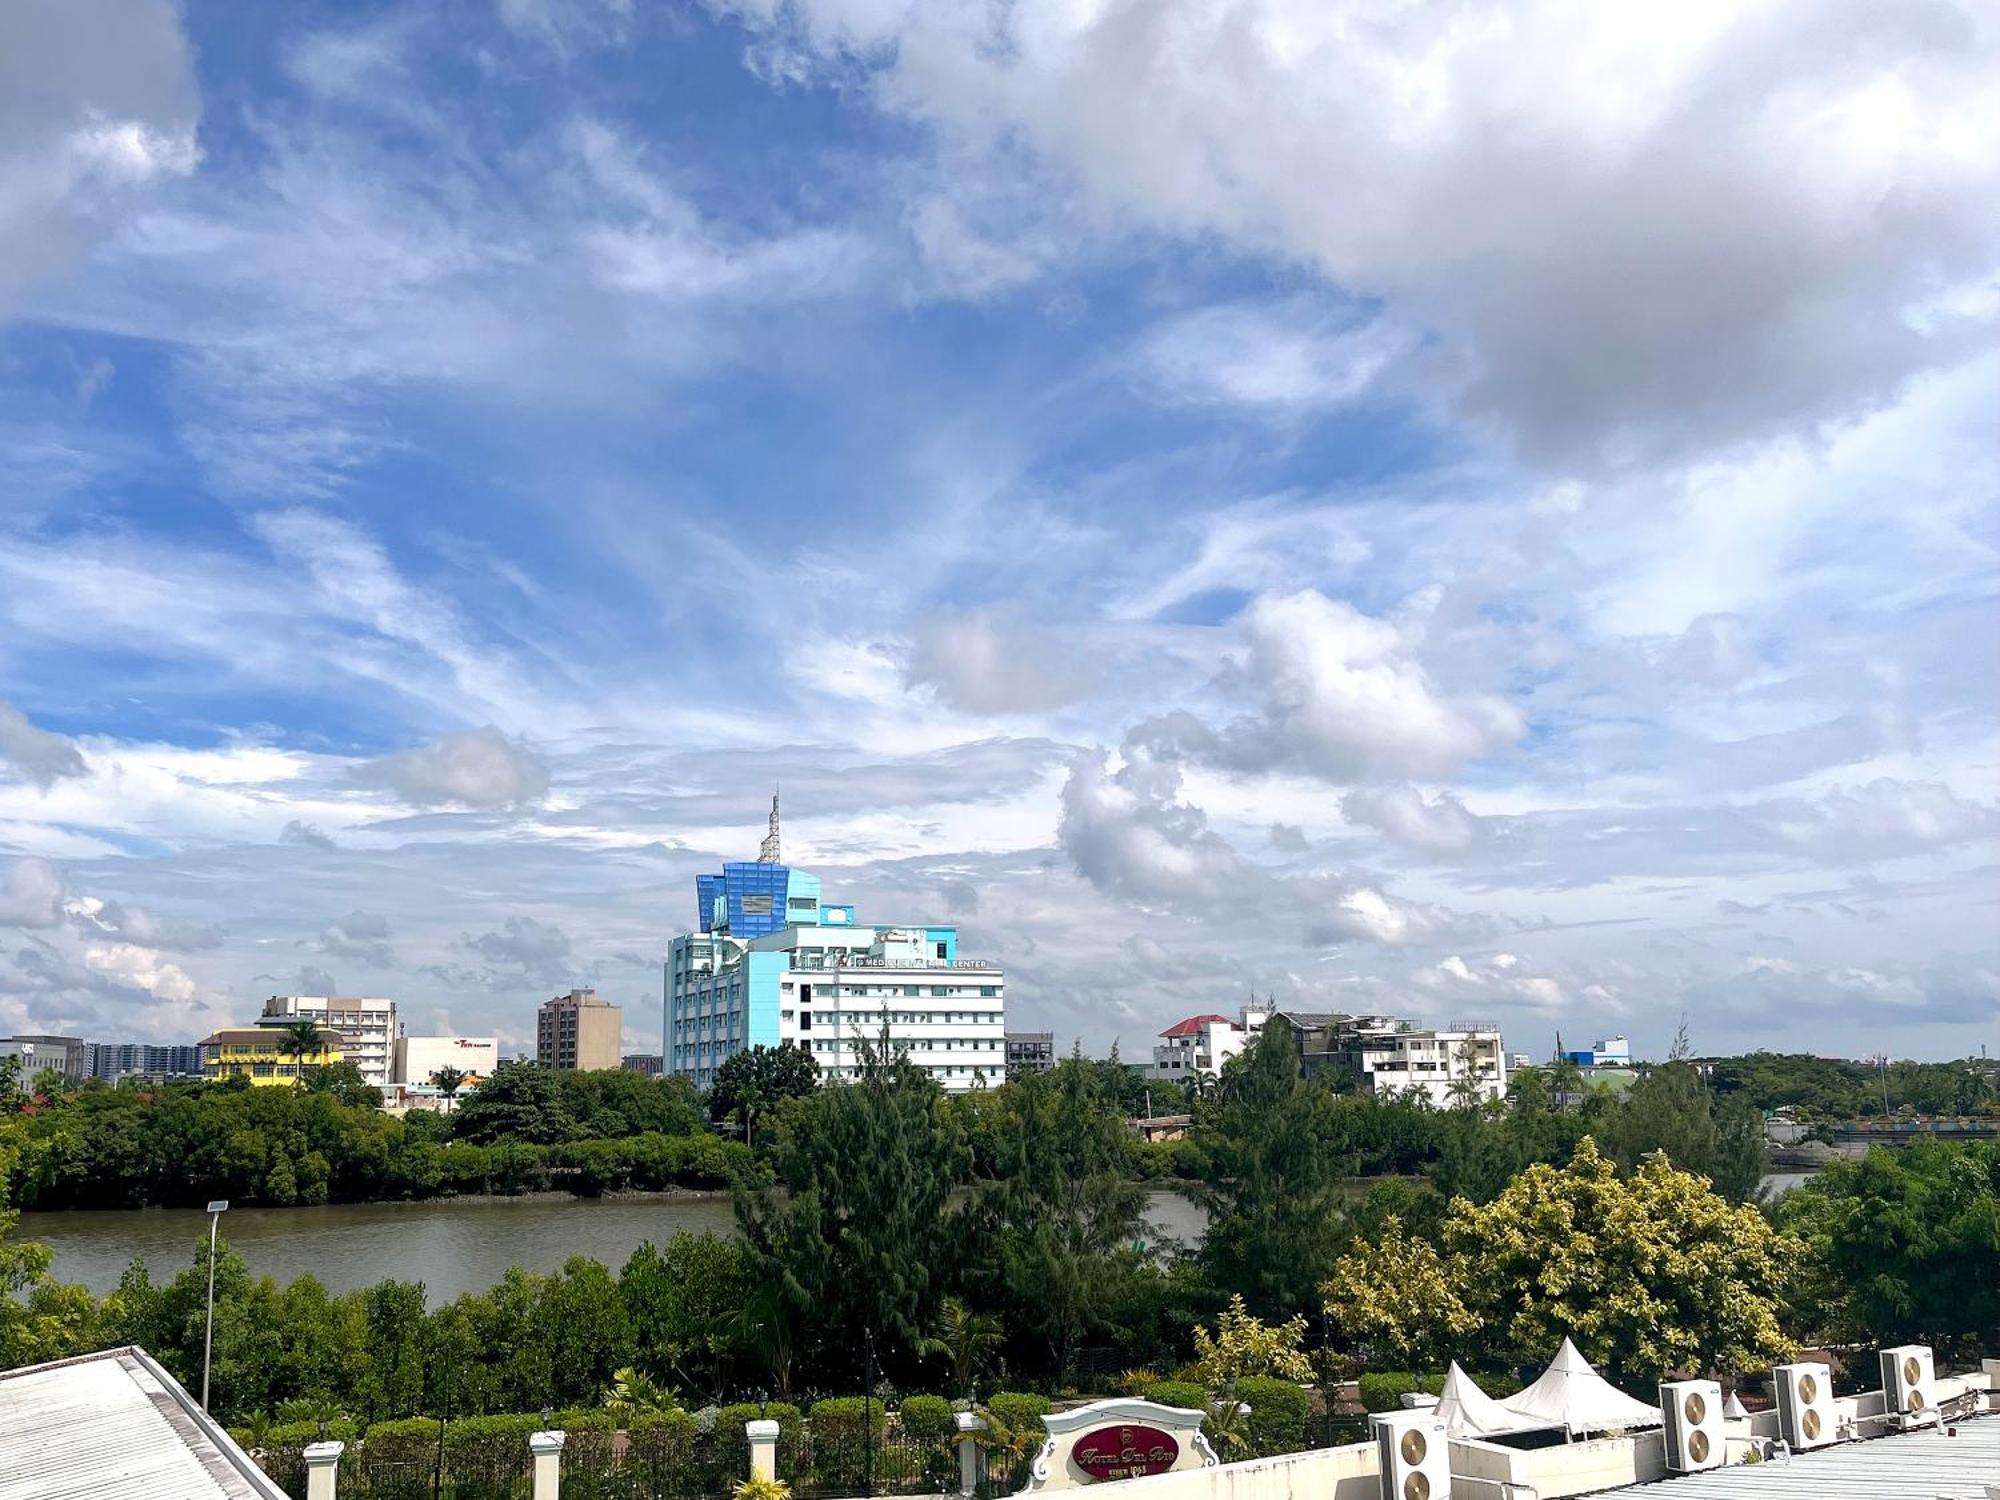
x,y
1193,1024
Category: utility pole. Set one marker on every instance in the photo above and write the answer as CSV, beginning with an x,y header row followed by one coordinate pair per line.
x,y
215,1212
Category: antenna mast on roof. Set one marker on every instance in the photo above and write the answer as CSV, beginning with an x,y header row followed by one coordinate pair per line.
x,y
767,852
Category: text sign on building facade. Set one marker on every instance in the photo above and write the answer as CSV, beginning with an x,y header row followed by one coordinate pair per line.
x,y
1118,1440
1125,1452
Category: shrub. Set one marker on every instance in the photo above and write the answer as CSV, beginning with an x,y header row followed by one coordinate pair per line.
x,y
1183,1393
839,1456
296,1434
1278,1412
1382,1390
1019,1409
1138,1382
925,1418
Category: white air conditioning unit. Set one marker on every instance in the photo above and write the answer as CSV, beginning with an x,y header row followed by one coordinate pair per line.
x,y
1693,1413
1907,1379
1805,1404
1414,1456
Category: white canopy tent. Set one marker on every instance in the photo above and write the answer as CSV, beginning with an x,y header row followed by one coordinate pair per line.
x,y
1571,1394
1467,1411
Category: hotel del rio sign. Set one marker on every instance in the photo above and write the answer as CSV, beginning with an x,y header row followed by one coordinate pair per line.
x,y
1118,1440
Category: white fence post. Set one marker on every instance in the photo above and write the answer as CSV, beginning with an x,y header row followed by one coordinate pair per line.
x,y
763,1436
970,1425
547,1448
322,1469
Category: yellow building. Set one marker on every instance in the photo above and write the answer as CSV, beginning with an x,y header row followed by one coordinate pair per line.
x,y
260,1054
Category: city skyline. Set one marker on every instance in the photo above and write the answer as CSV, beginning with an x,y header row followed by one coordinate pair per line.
x,y
1201,531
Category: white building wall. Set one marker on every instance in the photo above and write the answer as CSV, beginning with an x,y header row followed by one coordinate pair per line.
x,y
417,1057
368,1023
1432,1063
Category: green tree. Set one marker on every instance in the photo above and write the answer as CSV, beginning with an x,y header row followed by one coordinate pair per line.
x,y
855,1233
448,1081
1905,1243
1274,1199
758,1079
300,1040
1672,1110
1048,1241
1244,1345
683,1300
522,1101
1649,1274
967,1341
1398,1295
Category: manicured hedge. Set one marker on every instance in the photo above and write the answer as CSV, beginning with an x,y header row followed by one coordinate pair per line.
x,y
1019,1409
1382,1390
925,1417
1278,1412
1184,1393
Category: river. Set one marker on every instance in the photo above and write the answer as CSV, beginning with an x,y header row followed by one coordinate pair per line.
x,y
451,1245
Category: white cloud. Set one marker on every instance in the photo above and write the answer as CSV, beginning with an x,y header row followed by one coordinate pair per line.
x,y
32,894
1341,695
1881,819
141,968
1641,229
988,662
40,756
480,768
1285,360
97,104
1439,826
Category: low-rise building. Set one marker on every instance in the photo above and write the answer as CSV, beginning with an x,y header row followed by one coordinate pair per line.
x,y
367,1025
1030,1052
1198,1046
646,1063
67,1055
261,1054
415,1058
579,1033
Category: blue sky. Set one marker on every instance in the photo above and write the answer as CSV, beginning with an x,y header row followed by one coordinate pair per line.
x,y
1485,514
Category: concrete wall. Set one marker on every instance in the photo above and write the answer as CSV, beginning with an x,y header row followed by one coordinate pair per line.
x,y
1346,1473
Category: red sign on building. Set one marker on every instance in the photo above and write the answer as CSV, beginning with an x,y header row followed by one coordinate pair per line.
x,y
1125,1452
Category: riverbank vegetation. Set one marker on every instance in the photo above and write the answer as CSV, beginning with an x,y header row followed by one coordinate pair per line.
x,y
892,1235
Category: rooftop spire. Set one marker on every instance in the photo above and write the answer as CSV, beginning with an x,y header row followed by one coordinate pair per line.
x,y
767,852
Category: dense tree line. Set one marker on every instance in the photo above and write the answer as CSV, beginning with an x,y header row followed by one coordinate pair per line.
x,y
328,1141
952,1242
1834,1088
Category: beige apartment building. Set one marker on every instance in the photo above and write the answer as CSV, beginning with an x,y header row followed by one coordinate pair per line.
x,y
579,1033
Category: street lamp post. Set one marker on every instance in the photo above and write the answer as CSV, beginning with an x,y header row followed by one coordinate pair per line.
x,y
215,1211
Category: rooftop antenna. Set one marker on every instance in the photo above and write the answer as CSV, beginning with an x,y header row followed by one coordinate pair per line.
x,y
767,852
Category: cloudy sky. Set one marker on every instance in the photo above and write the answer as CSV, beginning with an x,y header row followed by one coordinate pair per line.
x,y
1481,510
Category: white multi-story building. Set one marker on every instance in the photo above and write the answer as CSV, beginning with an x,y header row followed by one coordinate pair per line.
x,y
1197,1047
416,1058
1466,1060
367,1026
771,966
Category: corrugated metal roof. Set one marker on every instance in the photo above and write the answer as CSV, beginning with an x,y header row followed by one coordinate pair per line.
x,y
1922,1465
115,1426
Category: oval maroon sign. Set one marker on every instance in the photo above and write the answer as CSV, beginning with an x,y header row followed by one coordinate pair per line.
x,y
1125,1451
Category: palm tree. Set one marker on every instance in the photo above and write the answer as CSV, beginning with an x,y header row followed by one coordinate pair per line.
x,y
634,1393
448,1081
299,1040
966,1339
